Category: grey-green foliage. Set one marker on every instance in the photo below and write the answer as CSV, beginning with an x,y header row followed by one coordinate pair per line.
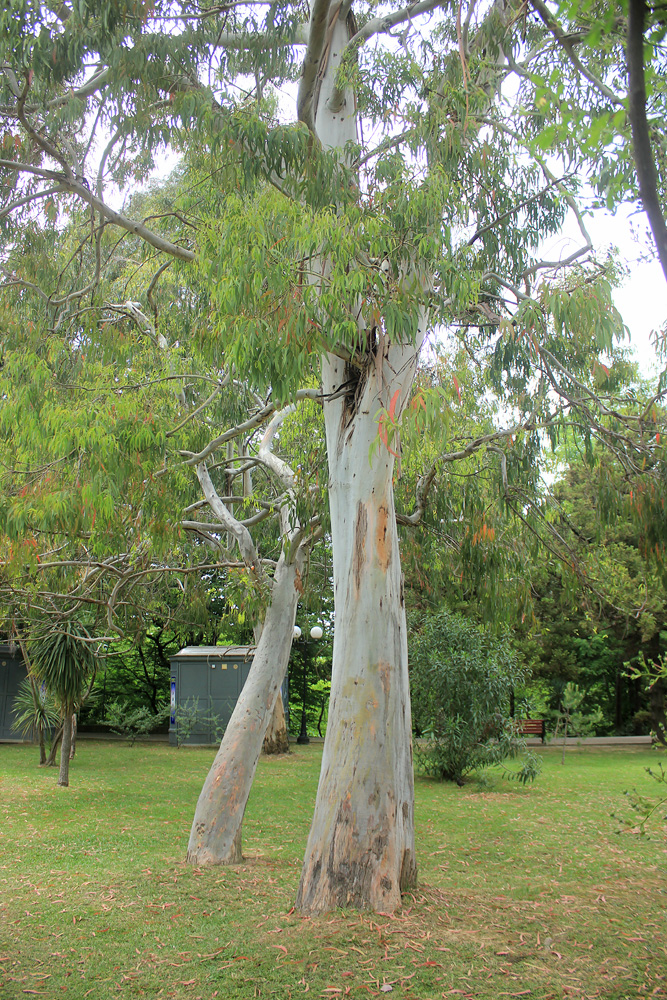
x,y
189,717
134,723
462,678
644,807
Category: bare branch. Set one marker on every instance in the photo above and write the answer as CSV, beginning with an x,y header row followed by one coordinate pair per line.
x,y
256,420
246,546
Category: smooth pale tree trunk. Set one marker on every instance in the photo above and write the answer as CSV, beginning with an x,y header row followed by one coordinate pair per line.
x,y
361,846
65,747
361,849
275,739
215,837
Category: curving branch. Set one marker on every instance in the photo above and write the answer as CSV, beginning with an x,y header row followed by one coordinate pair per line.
x,y
73,185
230,524
484,440
256,420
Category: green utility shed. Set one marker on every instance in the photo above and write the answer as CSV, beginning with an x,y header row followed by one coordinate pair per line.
x,y
210,677
12,672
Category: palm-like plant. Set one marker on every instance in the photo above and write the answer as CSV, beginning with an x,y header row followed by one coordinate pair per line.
x,y
65,661
34,715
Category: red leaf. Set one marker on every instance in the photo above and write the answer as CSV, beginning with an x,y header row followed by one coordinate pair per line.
x,y
456,386
392,405
382,431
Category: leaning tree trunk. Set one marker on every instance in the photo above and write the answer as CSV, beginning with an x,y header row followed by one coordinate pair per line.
x,y
51,759
361,846
215,837
65,747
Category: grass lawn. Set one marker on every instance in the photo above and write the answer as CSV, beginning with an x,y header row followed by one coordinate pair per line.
x,y
523,892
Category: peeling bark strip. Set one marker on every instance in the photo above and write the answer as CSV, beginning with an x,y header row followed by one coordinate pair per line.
x,y
382,542
360,529
215,837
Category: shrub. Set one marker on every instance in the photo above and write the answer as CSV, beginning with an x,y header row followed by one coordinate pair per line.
x,y
462,678
134,723
190,719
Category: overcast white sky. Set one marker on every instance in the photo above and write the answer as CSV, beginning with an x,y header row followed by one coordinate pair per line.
x,y
642,299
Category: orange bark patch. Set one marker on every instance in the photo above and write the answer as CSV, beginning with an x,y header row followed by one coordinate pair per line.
x,y
383,538
384,670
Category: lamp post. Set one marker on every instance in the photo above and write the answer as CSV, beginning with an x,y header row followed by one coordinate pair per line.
x,y
315,633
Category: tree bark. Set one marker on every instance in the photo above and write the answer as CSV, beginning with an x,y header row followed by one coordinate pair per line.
x,y
275,739
641,138
51,759
361,849
361,846
72,748
215,837
65,747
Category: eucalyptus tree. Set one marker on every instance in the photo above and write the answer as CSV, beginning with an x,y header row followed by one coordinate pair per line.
x,y
110,502
408,195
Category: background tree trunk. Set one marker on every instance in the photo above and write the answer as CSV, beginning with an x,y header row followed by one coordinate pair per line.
x,y
65,747
72,748
57,736
215,837
275,740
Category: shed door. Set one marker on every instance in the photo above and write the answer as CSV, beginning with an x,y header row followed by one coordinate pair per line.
x,y
12,673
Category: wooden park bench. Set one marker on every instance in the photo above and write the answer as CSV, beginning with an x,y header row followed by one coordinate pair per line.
x,y
532,727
